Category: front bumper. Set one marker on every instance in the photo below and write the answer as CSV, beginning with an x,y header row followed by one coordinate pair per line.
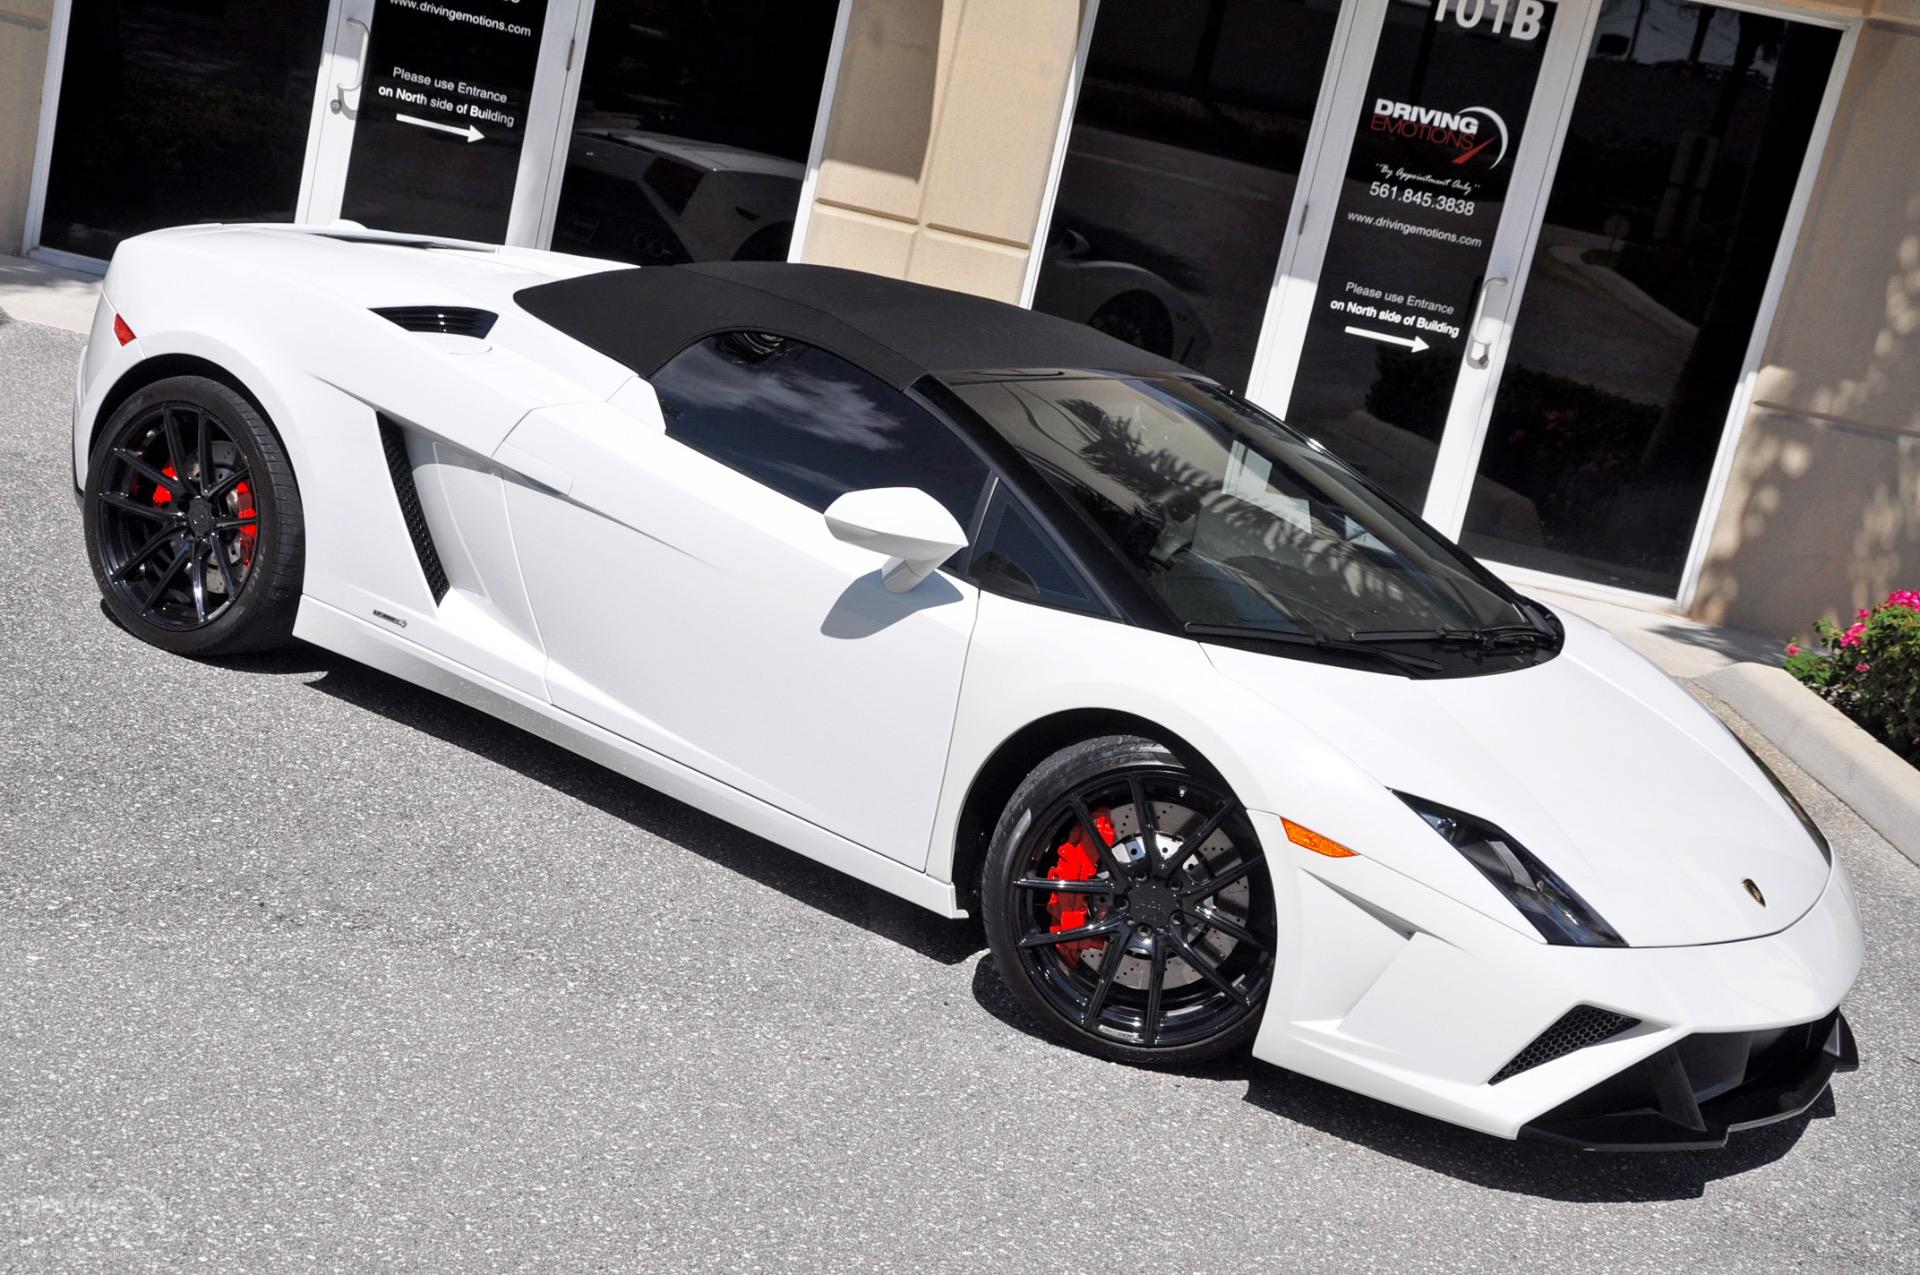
x,y
1406,995
1693,1093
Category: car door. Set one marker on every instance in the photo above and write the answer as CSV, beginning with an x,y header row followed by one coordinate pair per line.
x,y
691,597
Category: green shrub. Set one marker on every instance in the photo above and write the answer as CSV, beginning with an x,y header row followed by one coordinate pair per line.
x,y
1871,670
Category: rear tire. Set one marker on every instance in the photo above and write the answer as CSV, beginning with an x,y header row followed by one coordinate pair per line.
x,y
193,521
1174,912
1137,318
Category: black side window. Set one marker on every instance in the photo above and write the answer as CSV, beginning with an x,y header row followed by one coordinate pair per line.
x,y
1015,557
811,425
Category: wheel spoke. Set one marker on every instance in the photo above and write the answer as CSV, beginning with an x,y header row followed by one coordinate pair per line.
x,y
231,524
1091,831
138,508
206,452
219,556
227,484
176,454
1229,927
1156,985
197,573
1205,968
1095,885
1110,958
1220,881
140,555
1190,843
151,474
1209,826
166,578
1147,825
1047,938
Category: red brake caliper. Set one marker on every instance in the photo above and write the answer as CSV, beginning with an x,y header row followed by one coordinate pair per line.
x,y
161,496
249,534
1075,860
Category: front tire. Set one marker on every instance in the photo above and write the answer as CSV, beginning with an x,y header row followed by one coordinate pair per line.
x,y
1128,905
193,521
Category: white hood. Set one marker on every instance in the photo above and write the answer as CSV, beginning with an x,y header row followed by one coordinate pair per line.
x,y
1606,770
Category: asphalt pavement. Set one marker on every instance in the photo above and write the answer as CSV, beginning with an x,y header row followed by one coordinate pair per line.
x,y
302,968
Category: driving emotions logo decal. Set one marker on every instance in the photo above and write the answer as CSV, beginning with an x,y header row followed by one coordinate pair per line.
x,y
1476,134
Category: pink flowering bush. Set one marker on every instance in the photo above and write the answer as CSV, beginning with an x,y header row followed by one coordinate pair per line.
x,y
1870,670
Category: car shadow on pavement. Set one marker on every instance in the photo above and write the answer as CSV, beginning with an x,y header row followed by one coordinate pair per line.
x,y
720,843
1520,1168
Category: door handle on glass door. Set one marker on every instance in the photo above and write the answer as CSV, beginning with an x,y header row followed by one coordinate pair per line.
x,y
340,91
1480,332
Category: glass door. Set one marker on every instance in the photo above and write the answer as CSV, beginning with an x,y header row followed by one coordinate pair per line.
x,y
1436,142
441,116
1593,456
1532,262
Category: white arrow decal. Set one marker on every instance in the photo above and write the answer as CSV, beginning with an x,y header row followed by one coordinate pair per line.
x,y
471,133
1414,343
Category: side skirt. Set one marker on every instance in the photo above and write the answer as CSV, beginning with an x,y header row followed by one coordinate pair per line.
x,y
360,640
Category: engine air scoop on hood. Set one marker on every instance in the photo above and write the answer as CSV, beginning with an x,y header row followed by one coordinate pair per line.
x,y
1604,769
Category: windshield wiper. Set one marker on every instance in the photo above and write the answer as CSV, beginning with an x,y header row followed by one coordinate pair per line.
x,y
1320,641
1488,637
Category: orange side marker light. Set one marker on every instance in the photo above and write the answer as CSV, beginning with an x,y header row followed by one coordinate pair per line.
x,y
1308,839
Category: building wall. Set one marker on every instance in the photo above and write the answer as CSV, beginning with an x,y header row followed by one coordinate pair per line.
x,y
23,62
1822,512
941,138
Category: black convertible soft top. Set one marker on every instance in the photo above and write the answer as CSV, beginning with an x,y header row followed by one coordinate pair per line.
x,y
898,331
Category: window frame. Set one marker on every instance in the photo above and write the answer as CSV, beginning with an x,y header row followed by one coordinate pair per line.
x,y
1099,606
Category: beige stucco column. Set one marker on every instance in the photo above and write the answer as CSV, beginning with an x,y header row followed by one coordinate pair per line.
x,y
23,63
1822,510
940,138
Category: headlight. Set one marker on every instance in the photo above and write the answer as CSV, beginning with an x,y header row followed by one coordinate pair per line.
x,y
1793,802
1549,903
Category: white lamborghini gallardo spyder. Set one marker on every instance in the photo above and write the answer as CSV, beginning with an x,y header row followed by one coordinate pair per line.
x,y
997,613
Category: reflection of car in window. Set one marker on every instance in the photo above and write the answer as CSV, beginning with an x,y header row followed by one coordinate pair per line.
x,y
1119,298
655,200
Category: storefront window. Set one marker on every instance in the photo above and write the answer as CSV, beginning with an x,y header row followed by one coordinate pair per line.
x,y
1186,145
178,111
693,128
1687,137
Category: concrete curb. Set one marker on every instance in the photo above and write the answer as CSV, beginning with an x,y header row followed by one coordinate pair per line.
x,y
1848,762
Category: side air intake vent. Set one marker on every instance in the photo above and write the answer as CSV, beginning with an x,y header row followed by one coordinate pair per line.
x,y
1579,1027
452,320
394,443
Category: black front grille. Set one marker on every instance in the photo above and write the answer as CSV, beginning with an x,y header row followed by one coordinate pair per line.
x,y
394,443
452,320
1579,1027
1702,1087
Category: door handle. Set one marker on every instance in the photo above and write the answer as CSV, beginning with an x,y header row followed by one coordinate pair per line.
x,y
340,91
1479,331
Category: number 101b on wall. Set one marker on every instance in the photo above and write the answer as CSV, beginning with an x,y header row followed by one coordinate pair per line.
x,y
1467,15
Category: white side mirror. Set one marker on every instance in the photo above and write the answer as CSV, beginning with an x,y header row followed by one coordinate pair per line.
x,y
913,528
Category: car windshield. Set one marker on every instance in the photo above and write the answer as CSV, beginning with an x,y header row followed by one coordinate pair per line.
x,y
1232,519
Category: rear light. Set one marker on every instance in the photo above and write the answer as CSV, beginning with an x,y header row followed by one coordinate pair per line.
x,y
121,331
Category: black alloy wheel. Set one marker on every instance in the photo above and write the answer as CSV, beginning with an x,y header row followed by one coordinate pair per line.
x,y
1139,320
1129,905
193,522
